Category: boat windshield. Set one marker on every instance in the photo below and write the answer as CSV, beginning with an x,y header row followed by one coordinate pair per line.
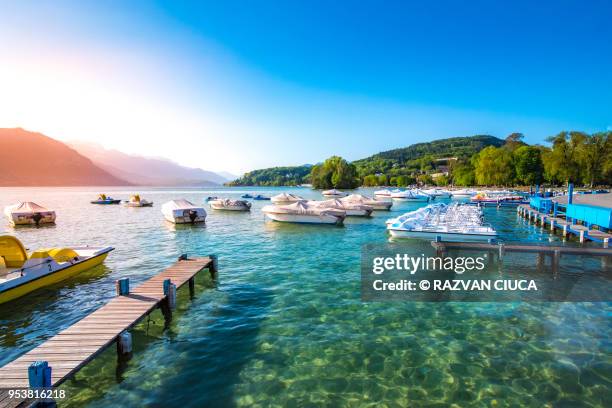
x,y
12,252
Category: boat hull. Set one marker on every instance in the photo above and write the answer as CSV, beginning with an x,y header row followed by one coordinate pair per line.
x,y
51,278
230,208
184,219
30,219
445,236
305,219
105,202
285,202
416,200
380,205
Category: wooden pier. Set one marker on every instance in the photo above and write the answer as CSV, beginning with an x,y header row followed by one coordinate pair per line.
x,y
564,226
77,345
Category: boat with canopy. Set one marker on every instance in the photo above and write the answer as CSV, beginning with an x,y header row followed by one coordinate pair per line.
x,y
303,212
29,213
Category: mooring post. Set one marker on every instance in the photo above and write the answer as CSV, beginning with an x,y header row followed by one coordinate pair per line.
x,y
214,264
124,343
39,375
123,287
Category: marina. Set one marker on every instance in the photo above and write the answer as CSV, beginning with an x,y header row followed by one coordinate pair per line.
x,y
72,348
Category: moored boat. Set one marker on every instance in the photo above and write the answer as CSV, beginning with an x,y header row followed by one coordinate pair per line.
x,y
136,201
351,209
29,213
183,212
334,193
449,222
438,193
286,198
21,273
383,193
246,196
230,205
103,199
303,212
463,193
260,197
381,205
411,196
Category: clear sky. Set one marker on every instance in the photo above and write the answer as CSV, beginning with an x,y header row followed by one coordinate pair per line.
x,y
238,85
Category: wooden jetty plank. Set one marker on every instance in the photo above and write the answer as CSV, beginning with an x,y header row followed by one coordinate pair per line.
x,y
78,344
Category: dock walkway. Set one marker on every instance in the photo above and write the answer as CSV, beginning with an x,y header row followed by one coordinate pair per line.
x,y
75,346
559,223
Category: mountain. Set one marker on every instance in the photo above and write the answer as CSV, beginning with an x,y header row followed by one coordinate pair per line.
x,y
146,170
33,159
275,176
412,157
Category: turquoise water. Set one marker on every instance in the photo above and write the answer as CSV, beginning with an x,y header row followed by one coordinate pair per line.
x,y
284,324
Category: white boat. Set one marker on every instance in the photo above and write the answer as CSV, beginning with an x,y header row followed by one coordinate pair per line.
x,y
351,209
410,195
465,192
383,193
303,212
286,198
229,205
136,201
334,193
453,222
384,205
438,193
183,212
29,213
21,273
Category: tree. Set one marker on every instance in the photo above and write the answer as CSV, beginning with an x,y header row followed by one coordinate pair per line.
x,y
334,172
462,174
561,163
514,141
383,180
441,181
593,155
528,165
494,166
370,180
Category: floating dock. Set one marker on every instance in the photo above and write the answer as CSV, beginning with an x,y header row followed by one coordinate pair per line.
x,y
558,223
71,349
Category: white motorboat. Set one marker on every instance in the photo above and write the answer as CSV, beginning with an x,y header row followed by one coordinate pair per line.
x,y
410,195
285,199
449,222
333,193
303,212
21,273
438,193
136,201
183,212
229,205
29,213
383,193
351,209
465,192
384,205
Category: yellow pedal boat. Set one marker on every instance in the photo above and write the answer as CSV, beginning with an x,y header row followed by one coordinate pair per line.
x,y
21,274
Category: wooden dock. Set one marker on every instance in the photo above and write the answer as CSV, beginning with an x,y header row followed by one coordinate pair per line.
x,y
564,226
77,345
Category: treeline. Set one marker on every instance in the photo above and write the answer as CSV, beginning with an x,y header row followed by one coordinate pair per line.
x,y
275,176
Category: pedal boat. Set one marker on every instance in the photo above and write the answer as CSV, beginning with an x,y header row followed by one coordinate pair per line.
x,y
380,205
29,213
303,213
136,201
103,199
183,212
21,274
261,198
286,199
230,205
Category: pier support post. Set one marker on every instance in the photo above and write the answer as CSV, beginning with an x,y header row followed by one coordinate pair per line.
x,y
170,293
123,287
540,261
565,231
582,236
213,265
605,242
556,260
124,343
543,220
191,288
39,375
552,225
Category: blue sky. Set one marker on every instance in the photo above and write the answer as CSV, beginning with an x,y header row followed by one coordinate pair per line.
x,y
238,85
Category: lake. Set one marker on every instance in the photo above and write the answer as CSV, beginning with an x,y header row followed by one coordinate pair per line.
x,y
284,324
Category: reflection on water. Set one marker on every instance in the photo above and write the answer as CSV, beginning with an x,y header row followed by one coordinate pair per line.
x,y
285,324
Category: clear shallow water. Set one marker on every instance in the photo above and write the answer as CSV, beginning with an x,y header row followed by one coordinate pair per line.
x,y
284,324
